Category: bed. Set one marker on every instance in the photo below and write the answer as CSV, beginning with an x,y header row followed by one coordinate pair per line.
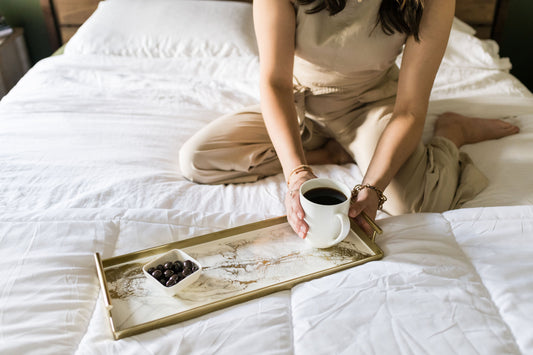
x,y
89,145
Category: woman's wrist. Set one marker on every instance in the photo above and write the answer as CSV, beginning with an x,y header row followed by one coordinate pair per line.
x,y
379,193
297,172
297,179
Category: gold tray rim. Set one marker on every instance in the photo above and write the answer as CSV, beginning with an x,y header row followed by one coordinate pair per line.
x,y
101,264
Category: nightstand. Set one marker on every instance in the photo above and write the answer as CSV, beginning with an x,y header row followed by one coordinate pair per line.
x,y
14,60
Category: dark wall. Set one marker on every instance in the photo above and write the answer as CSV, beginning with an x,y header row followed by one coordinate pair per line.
x,y
28,14
516,40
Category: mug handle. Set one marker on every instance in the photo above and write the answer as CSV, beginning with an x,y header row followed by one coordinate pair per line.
x,y
345,228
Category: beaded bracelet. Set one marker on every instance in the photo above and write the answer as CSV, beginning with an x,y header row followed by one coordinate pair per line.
x,y
381,196
297,170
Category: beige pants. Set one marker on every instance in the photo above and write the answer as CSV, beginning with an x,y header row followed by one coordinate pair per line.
x,y
236,148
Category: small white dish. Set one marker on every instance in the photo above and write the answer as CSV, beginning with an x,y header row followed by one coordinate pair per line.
x,y
171,256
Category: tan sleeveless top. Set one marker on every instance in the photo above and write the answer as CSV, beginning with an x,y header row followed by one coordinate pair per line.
x,y
346,52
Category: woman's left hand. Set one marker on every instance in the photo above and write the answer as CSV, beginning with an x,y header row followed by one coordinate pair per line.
x,y
366,201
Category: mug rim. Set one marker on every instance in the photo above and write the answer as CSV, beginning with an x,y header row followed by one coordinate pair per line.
x,y
341,187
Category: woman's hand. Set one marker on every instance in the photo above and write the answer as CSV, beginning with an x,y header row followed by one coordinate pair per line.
x,y
366,201
295,212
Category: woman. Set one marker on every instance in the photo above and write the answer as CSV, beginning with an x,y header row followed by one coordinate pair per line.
x,y
330,93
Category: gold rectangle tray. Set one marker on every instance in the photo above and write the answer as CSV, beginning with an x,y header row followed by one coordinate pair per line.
x,y
239,264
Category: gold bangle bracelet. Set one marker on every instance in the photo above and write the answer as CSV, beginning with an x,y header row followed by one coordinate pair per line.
x,y
381,196
298,169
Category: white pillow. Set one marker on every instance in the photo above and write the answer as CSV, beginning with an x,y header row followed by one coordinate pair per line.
x,y
167,29
466,50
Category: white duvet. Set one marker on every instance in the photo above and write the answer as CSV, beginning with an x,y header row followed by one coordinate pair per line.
x,y
88,163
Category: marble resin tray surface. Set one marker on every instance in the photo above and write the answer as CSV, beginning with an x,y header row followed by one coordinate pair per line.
x,y
239,264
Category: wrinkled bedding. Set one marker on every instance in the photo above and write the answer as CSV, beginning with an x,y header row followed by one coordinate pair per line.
x,y
89,163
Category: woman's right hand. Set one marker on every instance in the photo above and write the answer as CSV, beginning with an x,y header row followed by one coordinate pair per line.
x,y
295,212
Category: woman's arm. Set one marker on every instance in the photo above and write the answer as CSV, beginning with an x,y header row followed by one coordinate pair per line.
x,y
398,141
275,24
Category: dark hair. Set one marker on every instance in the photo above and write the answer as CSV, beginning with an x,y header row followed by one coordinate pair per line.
x,y
394,15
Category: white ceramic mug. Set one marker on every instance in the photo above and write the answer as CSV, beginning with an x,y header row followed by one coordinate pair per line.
x,y
325,213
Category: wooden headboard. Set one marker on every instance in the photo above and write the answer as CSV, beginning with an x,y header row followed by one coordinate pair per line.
x,y
66,16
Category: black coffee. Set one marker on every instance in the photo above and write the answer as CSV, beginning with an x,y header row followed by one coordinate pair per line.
x,y
325,196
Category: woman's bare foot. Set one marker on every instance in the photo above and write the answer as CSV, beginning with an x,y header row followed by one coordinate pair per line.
x,y
463,130
331,153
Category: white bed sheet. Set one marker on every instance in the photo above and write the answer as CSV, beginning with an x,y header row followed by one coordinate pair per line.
x,y
88,162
